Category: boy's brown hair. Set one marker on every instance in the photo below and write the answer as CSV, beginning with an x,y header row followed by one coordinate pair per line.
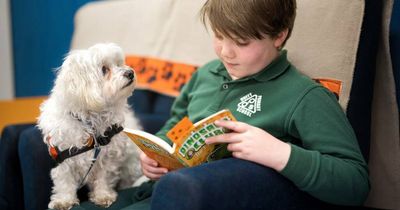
x,y
252,19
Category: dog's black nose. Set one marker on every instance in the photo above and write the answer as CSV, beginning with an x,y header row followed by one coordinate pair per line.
x,y
129,74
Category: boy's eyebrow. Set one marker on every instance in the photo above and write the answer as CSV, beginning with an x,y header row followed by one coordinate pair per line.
x,y
239,39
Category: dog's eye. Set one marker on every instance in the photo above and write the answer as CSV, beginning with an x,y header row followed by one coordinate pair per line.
x,y
105,70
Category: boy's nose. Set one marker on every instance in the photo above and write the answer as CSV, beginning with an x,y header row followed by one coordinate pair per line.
x,y
227,51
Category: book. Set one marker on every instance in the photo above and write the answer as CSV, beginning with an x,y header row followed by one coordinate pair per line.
x,y
188,148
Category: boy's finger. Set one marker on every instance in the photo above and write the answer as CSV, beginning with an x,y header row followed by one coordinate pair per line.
x,y
223,138
235,126
152,176
234,147
155,170
149,161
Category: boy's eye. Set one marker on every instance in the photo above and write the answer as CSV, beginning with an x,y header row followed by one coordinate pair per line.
x,y
242,44
105,70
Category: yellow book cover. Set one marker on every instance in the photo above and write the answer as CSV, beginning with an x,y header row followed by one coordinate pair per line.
x,y
189,147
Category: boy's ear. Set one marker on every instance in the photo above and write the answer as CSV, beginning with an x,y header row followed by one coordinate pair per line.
x,y
280,39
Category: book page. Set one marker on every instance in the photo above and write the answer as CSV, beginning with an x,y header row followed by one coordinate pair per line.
x,y
155,148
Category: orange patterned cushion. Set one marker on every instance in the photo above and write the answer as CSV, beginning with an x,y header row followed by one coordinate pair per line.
x,y
162,76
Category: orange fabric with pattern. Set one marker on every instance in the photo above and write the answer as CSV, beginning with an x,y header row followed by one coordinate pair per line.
x,y
335,86
166,77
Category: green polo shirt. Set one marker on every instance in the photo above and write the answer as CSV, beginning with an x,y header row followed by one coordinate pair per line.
x,y
325,159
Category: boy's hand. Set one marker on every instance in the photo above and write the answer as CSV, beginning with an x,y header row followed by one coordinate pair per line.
x,y
150,167
254,144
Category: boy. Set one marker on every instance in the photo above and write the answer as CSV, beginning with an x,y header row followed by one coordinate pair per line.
x,y
292,148
293,134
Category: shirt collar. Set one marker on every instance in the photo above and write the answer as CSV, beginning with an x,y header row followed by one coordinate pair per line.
x,y
273,70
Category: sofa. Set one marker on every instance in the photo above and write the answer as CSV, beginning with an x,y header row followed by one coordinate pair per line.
x,y
164,42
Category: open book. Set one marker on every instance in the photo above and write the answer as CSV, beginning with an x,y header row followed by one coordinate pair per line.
x,y
189,147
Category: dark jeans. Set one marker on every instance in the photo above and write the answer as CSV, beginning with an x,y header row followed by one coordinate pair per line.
x,y
225,184
230,184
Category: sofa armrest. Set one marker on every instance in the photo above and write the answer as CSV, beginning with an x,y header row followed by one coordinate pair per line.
x,y
11,190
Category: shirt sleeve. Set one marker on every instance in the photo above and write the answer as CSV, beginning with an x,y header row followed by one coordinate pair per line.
x,y
178,109
327,163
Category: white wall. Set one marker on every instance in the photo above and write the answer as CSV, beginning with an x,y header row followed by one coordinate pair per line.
x,y
6,64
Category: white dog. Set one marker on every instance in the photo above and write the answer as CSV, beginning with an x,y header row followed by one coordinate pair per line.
x,y
81,123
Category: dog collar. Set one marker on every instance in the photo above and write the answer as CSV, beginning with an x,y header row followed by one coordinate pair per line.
x,y
60,156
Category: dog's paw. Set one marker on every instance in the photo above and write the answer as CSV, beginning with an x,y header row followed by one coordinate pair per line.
x,y
103,199
63,204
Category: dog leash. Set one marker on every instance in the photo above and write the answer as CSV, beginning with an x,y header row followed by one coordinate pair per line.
x,y
97,150
102,140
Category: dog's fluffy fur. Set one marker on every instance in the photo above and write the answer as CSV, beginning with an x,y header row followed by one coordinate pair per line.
x,y
90,94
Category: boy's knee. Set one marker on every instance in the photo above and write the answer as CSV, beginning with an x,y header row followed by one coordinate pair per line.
x,y
177,190
179,182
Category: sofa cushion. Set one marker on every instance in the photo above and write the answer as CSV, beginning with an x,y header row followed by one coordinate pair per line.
x,y
322,46
152,108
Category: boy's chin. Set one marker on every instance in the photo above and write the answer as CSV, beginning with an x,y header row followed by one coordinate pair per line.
x,y
235,75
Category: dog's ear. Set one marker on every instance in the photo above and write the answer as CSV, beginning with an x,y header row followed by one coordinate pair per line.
x,y
79,83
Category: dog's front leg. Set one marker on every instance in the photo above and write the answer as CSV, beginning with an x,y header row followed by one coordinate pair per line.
x,y
64,190
101,191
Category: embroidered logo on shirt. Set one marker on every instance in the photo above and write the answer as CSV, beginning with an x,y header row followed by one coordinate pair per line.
x,y
249,104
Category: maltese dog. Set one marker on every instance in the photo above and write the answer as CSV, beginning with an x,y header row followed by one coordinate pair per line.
x,y
81,123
